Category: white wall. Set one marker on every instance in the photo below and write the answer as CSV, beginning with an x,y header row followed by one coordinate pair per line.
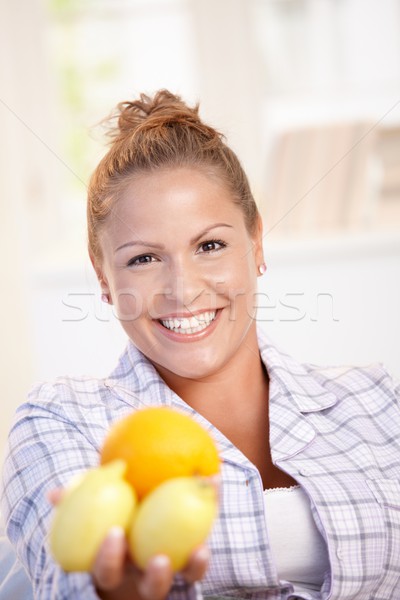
x,y
335,301
16,186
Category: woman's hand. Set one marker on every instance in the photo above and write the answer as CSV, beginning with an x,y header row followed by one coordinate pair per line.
x,y
117,578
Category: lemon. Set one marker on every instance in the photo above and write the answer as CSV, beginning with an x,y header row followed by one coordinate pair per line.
x,y
160,443
173,519
99,500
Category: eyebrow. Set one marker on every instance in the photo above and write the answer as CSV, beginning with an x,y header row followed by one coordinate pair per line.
x,y
161,247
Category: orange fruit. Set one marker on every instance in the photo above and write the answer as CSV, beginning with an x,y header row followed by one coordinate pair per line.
x,y
160,443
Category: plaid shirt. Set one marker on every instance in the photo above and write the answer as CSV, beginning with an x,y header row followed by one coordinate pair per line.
x,y
335,430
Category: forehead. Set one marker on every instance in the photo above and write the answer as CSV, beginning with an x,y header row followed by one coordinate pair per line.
x,y
184,197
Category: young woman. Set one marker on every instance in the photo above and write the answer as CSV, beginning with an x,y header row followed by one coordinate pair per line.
x,y
311,457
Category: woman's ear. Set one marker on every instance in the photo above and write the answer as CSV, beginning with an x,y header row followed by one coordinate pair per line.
x,y
105,290
258,246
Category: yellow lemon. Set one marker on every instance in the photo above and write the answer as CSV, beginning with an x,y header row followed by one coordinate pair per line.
x,y
99,500
173,519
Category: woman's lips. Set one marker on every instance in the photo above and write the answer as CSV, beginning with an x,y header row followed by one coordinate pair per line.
x,y
189,328
188,325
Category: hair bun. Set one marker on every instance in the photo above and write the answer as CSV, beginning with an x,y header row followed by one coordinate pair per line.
x,y
162,110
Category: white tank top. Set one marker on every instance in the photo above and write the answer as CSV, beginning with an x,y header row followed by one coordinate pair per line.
x,y
300,552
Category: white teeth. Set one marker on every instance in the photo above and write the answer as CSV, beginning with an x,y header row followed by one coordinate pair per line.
x,y
192,325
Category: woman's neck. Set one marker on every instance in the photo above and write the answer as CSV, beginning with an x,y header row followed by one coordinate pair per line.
x,y
240,378
234,398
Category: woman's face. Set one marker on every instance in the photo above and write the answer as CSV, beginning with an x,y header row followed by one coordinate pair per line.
x,y
181,269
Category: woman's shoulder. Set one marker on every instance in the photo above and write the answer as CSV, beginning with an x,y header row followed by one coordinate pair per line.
x,y
342,381
372,379
80,388
64,395
66,386
86,398
351,373
335,376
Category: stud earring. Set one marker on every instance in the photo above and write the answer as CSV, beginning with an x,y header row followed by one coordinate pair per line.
x,y
105,298
262,268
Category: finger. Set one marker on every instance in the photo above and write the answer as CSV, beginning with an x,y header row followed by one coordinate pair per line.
x,y
156,581
54,496
197,564
108,569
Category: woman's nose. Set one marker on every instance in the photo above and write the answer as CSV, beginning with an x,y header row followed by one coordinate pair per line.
x,y
183,285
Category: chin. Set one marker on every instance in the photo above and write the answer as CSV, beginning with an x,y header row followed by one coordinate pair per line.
x,y
191,369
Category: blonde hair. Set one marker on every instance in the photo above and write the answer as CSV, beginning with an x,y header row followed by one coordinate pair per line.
x,y
156,133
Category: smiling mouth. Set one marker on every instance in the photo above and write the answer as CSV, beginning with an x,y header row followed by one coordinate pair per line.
x,y
193,324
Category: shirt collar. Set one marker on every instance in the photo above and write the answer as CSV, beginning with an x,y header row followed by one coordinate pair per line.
x,y
135,375
297,381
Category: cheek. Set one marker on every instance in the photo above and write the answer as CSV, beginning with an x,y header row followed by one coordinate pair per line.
x,y
133,303
130,300
243,274
129,305
241,290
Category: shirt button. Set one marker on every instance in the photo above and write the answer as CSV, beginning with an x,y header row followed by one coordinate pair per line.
x,y
339,553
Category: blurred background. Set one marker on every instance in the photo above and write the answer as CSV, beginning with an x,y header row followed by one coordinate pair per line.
x,y
308,94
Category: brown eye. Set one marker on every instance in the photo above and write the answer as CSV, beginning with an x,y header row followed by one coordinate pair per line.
x,y
212,246
143,259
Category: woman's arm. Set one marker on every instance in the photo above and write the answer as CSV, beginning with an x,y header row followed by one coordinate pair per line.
x,y
54,437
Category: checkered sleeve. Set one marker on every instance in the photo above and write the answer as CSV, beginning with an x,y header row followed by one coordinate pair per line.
x,y
44,451
53,437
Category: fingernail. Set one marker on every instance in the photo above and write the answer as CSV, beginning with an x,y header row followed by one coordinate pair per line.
x,y
203,554
160,561
116,534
